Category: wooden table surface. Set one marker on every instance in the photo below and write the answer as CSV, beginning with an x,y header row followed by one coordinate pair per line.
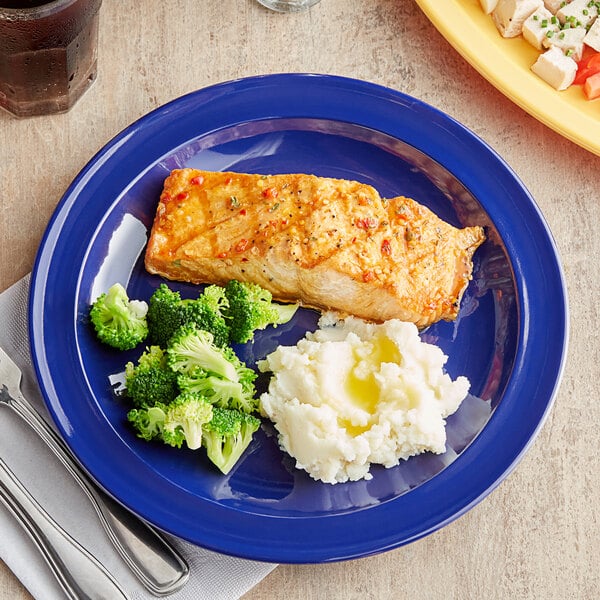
x,y
537,535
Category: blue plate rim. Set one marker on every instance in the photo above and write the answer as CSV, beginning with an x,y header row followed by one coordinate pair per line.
x,y
379,109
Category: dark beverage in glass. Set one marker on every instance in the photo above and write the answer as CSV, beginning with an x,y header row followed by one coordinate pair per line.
x,y
48,54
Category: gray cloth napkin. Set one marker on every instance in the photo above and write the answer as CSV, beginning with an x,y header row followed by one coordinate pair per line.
x,y
212,576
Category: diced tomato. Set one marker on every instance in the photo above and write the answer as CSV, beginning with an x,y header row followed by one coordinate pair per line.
x,y
587,52
588,65
591,87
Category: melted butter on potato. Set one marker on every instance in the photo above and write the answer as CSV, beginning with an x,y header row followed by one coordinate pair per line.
x,y
354,393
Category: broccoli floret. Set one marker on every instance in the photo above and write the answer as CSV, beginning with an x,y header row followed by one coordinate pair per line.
x,y
195,358
191,348
205,312
148,422
251,307
151,380
184,419
221,392
214,297
167,312
119,321
216,389
227,435
247,403
181,421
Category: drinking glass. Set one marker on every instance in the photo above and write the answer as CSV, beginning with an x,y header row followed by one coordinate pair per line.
x,y
48,54
288,5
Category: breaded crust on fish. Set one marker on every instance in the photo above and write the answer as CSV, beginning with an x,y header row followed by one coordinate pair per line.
x,y
332,244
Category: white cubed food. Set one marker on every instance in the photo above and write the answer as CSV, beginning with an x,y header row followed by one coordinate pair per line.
x,y
488,5
555,68
580,12
569,41
509,15
536,27
592,37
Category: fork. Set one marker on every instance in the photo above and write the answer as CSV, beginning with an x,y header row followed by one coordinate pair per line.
x,y
151,558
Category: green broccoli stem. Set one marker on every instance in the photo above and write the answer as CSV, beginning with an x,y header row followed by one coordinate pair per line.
x,y
195,349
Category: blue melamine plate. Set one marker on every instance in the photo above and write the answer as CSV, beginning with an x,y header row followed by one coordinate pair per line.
x,y
509,340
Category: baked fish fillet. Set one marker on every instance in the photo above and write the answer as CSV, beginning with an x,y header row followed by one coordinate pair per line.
x,y
327,243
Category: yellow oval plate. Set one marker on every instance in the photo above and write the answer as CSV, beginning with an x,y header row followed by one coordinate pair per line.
x,y
506,64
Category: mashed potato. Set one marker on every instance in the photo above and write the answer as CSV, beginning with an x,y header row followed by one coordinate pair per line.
x,y
355,393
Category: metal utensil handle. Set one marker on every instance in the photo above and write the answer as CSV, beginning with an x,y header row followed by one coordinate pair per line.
x,y
79,574
151,558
